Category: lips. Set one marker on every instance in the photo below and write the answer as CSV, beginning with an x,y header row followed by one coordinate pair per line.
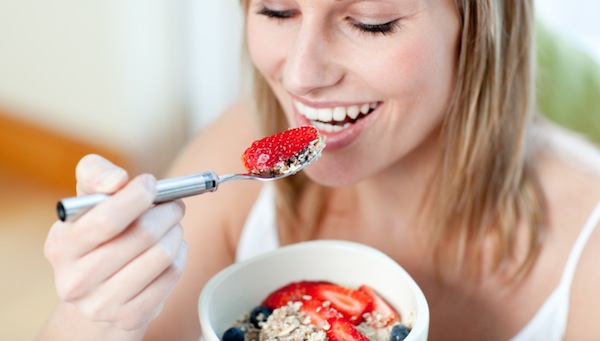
x,y
337,118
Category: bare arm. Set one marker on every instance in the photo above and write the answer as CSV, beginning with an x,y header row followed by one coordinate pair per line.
x,y
213,221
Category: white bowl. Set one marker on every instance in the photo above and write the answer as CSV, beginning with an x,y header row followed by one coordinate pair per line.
x,y
240,287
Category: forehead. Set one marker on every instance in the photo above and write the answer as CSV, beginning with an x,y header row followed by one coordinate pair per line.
x,y
246,3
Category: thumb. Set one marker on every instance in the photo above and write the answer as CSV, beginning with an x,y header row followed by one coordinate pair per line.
x,y
96,174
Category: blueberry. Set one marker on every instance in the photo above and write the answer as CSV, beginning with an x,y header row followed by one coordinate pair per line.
x,y
259,314
233,334
399,332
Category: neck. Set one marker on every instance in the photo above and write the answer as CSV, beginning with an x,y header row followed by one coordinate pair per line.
x,y
403,185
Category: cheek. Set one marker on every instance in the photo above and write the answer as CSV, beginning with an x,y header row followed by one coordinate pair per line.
x,y
266,49
256,45
414,69
268,52
417,73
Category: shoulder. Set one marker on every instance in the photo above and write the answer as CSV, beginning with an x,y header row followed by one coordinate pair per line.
x,y
220,144
571,179
585,301
219,147
569,168
213,221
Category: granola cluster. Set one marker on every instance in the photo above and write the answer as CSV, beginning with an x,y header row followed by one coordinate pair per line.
x,y
288,323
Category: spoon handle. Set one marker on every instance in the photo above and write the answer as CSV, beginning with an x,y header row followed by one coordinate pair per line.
x,y
168,190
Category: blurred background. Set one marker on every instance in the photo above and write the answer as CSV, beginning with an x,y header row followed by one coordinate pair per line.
x,y
134,79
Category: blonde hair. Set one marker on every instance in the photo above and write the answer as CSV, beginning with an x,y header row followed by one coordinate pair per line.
x,y
485,186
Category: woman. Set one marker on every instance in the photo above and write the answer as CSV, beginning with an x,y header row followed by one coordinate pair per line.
x,y
434,156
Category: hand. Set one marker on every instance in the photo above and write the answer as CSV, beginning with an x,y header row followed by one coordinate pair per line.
x,y
118,262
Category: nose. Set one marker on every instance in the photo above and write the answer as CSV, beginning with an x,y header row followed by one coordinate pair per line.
x,y
311,63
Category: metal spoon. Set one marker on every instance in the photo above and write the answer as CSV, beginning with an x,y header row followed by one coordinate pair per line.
x,y
194,184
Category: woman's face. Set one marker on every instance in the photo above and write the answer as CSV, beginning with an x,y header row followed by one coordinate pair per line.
x,y
374,76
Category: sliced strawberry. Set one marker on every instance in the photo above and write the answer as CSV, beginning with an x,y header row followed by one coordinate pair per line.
x,y
382,310
264,154
288,293
319,313
343,330
352,304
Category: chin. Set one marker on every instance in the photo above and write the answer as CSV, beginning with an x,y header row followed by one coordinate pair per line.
x,y
330,176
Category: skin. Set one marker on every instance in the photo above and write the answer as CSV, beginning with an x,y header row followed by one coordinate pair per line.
x,y
316,57
313,65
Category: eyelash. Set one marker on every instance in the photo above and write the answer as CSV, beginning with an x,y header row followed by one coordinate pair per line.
x,y
383,29
276,15
374,29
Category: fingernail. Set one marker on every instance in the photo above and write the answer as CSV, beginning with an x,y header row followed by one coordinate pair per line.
x,y
149,182
181,258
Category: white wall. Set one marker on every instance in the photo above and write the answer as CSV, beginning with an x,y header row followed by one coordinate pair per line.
x,y
212,49
106,71
577,20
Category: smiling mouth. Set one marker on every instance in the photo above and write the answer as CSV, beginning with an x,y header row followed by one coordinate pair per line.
x,y
335,119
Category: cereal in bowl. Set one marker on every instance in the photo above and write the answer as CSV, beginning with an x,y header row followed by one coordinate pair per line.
x,y
320,311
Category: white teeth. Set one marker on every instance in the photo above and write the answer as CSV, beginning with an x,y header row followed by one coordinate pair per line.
x,y
337,114
299,106
330,128
325,114
365,108
353,112
311,113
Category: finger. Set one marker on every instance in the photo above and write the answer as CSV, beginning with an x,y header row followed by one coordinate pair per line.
x,y
148,304
112,216
141,307
100,264
143,270
96,174
55,244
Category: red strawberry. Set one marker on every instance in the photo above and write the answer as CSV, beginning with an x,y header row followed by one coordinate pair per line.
x,y
264,154
382,310
351,303
318,312
342,330
288,293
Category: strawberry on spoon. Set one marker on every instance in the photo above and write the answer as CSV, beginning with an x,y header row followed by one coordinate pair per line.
x,y
283,152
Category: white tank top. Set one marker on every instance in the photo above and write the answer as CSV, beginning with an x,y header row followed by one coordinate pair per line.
x,y
260,235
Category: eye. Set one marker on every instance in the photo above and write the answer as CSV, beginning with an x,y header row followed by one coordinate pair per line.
x,y
385,28
276,14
